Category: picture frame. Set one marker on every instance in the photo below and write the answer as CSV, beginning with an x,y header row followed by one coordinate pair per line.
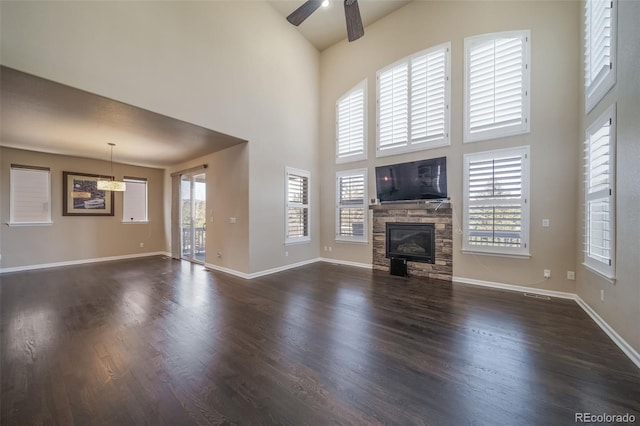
x,y
81,196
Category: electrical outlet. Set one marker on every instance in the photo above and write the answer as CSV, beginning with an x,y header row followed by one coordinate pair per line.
x,y
232,220
545,223
141,245
571,275
330,248
547,274
286,254
219,255
602,295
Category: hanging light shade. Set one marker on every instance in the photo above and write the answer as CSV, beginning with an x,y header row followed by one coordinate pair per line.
x,y
111,184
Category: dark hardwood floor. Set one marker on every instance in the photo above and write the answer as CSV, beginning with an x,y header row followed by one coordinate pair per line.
x,y
158,341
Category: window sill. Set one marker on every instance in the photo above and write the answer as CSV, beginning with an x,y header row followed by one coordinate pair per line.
x,y
29,223
414,147
609,279
351,241
484,253
135,222
296,242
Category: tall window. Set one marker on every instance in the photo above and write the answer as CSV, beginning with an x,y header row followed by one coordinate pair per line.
x,y
351,125
351,210
599,194
134,200
413,102
599,49
30,195
496,192
496,85
297,193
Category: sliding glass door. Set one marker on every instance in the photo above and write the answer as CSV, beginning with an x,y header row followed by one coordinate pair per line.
x,y
193,223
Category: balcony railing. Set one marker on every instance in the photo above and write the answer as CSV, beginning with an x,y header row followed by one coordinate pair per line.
x,y
199,243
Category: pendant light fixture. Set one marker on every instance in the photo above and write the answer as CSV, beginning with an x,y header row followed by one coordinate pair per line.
x,y
111,184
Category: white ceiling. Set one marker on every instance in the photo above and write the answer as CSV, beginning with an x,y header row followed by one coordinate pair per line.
x,y
41,115
327,26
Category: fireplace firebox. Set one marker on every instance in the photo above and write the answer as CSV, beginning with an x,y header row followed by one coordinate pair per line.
x,y
411,241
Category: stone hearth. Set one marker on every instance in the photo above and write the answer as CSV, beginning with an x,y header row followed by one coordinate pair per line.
x,y
436,213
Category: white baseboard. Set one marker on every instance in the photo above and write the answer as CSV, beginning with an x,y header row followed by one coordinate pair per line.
x,y
512,287
628,350
260,273
346,263
81,261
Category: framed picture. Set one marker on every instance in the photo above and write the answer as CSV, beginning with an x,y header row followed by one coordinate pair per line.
x,y
81,196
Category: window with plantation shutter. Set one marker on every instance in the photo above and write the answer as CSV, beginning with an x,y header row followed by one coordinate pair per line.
x,y
351,210
496,192
599,193
413,102
351,126
30,195
496,85
134,200
599,50
297,208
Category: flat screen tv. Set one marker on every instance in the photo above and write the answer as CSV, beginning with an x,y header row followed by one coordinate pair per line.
x,y
418,180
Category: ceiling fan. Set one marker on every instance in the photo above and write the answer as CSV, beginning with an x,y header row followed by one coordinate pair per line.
x,y
351,13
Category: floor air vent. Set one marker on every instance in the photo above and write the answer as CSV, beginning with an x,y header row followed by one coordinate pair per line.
x,y
536,296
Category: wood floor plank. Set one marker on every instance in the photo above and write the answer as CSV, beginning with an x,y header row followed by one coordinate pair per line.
x,y
163,342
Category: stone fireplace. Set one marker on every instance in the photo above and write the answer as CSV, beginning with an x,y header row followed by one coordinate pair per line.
x,y
416,229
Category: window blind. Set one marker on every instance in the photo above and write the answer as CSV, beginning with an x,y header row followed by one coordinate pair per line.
x,y
599,49
497,210
351,126
134,201
599,169
30,195
297,228
351,212
413,102
496,89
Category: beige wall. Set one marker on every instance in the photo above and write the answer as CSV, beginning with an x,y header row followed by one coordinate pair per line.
x,y
227,196
72,238
621,305
232,66
554,121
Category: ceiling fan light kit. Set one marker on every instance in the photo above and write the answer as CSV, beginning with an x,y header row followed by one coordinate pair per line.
x,y
355,30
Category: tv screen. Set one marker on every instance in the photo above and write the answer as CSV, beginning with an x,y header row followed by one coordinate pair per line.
x,y
418,180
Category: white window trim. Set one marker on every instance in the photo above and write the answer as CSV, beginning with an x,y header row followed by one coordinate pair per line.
x,y
303,239
521,252
12,221
146,200
525,126
606,271
420,146
362,156
595,91
355,238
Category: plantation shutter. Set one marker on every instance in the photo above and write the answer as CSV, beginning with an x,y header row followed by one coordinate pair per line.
x,y
599,44
351,204
428,100
496,195
297,205
393,107
350,123
497,86
30,195
598,184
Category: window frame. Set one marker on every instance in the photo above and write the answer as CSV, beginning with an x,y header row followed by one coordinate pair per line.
x,y
351,156
604,81
607,271
288,204
411,145
524,250
364,206
511,130
13,221
136,180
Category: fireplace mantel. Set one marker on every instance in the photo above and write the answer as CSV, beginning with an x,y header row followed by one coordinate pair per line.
x,y
438,213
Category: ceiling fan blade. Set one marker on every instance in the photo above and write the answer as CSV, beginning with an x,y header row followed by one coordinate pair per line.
x,y
298,16
354,21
